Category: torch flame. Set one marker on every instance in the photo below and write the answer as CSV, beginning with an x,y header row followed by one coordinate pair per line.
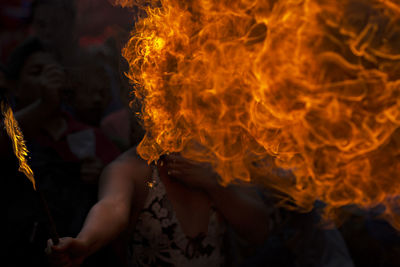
x,y
17,138
312,86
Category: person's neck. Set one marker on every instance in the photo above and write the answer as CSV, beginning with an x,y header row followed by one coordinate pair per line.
x,y
192,207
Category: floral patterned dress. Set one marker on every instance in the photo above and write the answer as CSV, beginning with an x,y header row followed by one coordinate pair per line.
x,y
158,239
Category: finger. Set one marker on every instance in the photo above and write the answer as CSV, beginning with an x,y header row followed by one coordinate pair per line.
x,y
63,245
176,158
48,249
178,166
179,158
170,163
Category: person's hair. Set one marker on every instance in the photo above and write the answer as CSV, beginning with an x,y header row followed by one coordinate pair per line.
x,y
21,53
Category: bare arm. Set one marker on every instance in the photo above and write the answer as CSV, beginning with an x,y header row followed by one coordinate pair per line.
x,y
111,214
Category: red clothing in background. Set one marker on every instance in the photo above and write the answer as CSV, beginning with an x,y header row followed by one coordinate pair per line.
x,y
104,148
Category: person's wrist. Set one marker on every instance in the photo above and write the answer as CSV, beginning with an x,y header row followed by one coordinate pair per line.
x,y
86,245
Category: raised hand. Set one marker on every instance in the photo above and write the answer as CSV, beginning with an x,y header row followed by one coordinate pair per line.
x,y
190,173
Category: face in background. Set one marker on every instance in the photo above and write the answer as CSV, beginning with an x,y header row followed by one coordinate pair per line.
x,y
29,86
92,95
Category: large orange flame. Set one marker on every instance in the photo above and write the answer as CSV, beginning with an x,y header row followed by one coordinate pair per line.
x,y
18,142
312,86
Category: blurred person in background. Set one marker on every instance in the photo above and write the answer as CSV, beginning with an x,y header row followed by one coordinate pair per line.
x,y
33,90
66,156
14,24
123,125
36,75
54,22
106,54
120,122
90,84
34,79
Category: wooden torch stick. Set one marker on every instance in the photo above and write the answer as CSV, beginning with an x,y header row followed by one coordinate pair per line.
x,y
21,152
52,226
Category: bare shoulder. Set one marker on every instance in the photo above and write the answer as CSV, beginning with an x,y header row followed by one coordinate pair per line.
x,y
125,172
131,161
128,156
139,172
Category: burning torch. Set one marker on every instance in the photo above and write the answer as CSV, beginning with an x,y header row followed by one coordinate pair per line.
x,y
21,152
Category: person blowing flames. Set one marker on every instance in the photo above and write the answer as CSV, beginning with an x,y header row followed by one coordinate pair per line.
x,y
243,88
311,86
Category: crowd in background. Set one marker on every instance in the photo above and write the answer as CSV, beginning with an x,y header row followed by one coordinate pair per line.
x,y
63,74
70,96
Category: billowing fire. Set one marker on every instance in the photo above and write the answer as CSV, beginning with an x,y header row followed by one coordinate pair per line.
x,y
18,142
312,86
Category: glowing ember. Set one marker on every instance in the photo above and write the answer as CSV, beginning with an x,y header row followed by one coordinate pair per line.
x,y
18,142
310,86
